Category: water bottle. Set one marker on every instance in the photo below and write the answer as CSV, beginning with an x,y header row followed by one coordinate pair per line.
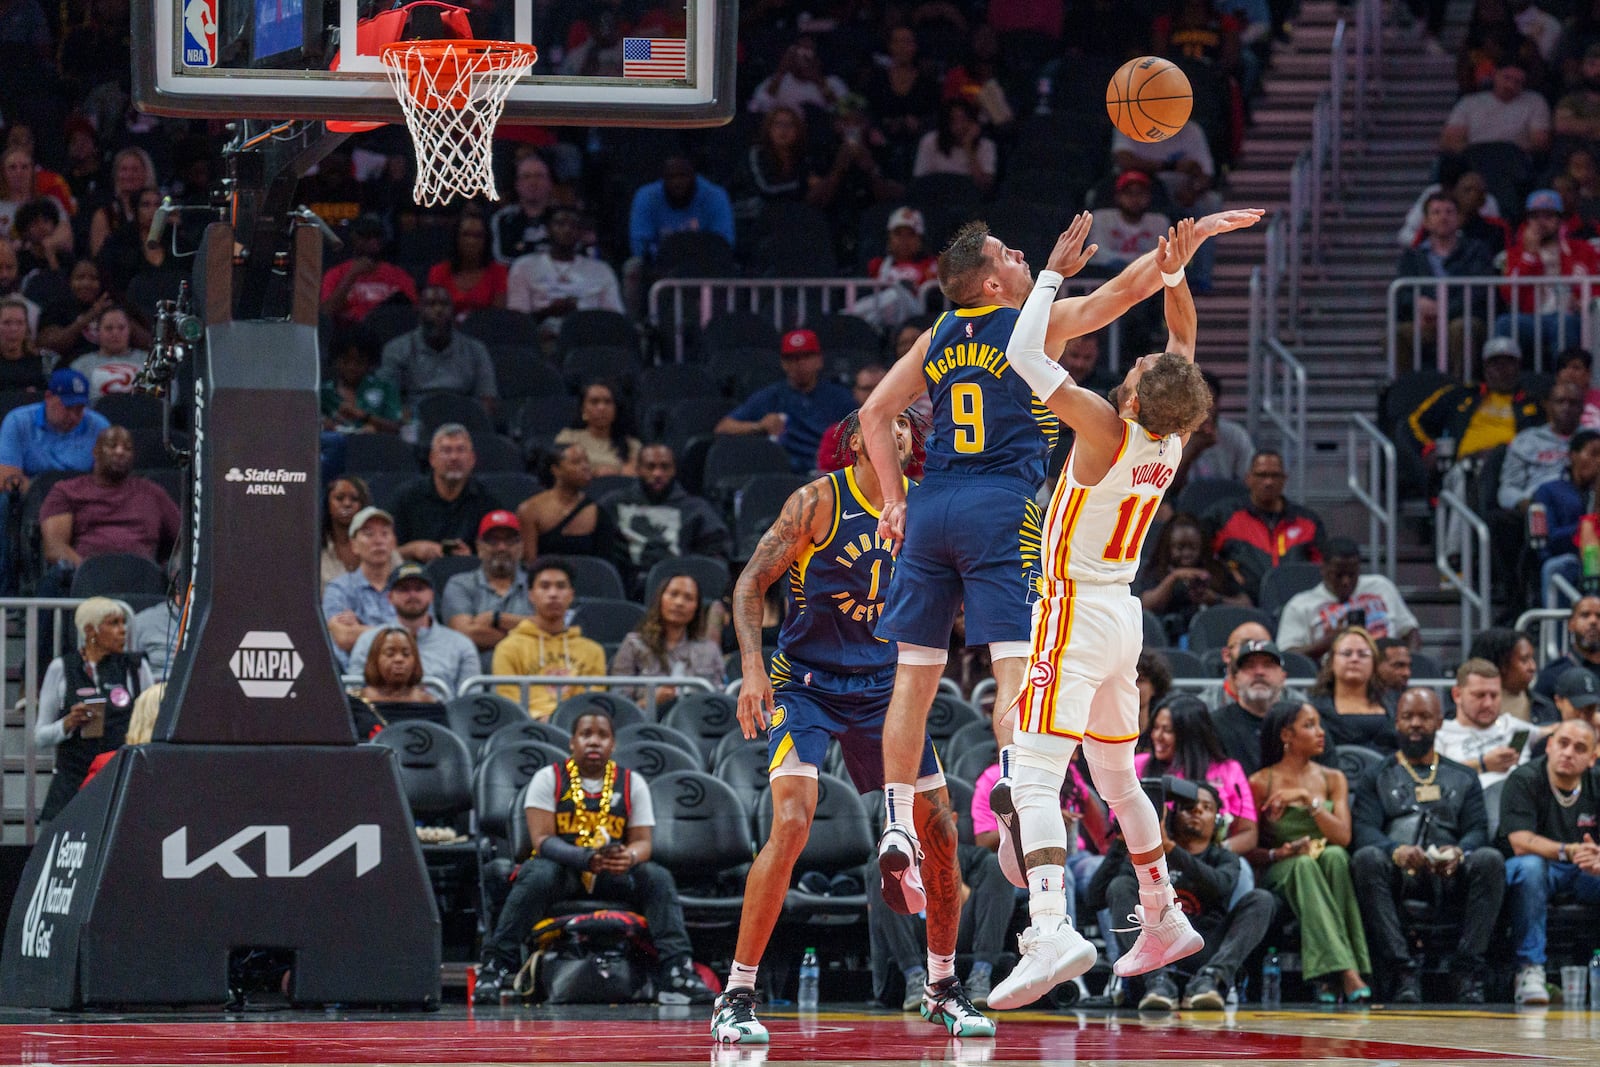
x,y
810,974
1594,982
1271,980
1538,526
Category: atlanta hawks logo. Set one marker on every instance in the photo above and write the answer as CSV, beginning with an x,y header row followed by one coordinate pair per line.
x,y
1041,675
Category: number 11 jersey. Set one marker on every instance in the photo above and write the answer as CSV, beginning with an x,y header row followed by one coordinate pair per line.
x,y
1095,533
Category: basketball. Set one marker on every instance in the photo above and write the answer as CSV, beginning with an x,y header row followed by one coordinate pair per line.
x,y
1149,99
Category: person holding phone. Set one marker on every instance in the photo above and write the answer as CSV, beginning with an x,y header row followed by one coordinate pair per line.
x,y
1482,735
87,697
1311,620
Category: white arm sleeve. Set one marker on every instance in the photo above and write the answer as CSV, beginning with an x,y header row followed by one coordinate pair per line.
x,y
1025,353
49,731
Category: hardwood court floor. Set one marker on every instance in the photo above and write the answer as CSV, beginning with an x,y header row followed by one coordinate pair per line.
x,y
642,1035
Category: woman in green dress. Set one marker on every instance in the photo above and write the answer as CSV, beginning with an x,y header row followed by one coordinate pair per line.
x,y
1305,831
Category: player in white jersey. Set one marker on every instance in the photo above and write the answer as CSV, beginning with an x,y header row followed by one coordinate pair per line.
x,y
1088,631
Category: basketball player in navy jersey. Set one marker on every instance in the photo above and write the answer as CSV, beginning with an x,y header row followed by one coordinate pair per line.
x,y
973,533
831,679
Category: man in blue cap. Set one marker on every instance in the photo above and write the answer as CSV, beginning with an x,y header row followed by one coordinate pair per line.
x,y
57,434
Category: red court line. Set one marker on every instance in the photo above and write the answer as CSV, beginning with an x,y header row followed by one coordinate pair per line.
x,y
612,1041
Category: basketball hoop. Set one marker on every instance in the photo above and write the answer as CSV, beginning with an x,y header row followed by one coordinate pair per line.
x,y
453,92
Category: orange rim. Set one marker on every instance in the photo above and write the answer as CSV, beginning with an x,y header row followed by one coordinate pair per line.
x,y
436,70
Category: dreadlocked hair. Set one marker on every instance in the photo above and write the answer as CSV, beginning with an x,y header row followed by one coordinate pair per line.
x,y
845,456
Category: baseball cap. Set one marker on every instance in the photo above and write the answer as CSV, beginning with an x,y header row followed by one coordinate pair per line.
x,y
499,520
1543,200
69,387
1132,177
410,571
1256,648
1579,686
1502,346
800,343
366,515
906,216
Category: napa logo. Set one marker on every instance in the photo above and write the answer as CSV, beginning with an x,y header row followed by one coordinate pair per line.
x,y
266,664
265,481
199,33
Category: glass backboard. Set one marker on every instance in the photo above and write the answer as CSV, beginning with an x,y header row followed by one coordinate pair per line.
x,y
601,62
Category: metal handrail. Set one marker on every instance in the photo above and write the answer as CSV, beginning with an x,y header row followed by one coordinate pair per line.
x,y
1552,643
1491,290
649,682
1294,240
788,300
1283,374
1377,493
1301,683
1336,75
1472,583
434,684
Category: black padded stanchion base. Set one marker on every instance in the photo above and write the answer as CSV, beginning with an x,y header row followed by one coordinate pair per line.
x,y
176,856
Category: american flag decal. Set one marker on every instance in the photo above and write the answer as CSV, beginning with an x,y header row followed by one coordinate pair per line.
x,y
655,57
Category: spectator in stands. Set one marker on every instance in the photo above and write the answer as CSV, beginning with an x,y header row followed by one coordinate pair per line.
x,y
599,430
1509,111
355,398
1548,316
1573,365
957,147
1548,813
1345,597
22,365
1305,822
1196,30
1577,114
127,253
1443,251
392,669
682,201
591,818
903,94
355,602
111,369
1476,418
1481,218
1269,529
908,264
76,729
1205,874
36,223
799,82
356,286
1577,697
1182,743
1421,830
1393,668
1512,653
1482,736
1538,454
668,640
1258,681
1152,676
777,169
832,455
1082,360
555,281
105,511
1245,631
72,326
1349,696
1583,646
564,520
445,654
1182,578
1132,229
798,410
658,519
439,515
490,602
977,78
1218,448
1182,162
519,228
1537,25
346,497
10,284
472,276
56,434
438,358
131,173
19,188
543,643
154,632
1566,500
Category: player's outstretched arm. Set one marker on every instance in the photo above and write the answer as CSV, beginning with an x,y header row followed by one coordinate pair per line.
x,y
795,528
1078,315
1172,252
894,393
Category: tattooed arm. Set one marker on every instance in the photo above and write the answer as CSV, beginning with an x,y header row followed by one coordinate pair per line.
x,y
803,521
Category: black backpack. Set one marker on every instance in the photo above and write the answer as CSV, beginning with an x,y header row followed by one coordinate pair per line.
x,y
596,957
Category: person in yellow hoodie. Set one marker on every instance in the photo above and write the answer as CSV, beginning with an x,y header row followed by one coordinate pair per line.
x,y
545,644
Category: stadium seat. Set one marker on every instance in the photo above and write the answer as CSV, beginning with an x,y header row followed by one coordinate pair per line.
x,y
1211,626
444,568
739,330
606,620
1183,663
379,452
1356,760
501,776
732,461
623,711
1285,580
501,326
435,768
604,363
437,409
710,573
839,332
949,714
705,717
702,835
519,371
130,410
511,488
841,841
654,758
526,730
744,768
476,717
662,733
119,575
585,329
741,371
960,790
973,760
1155,634
498,454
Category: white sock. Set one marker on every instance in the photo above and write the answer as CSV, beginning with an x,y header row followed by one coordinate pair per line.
x,y
1155,888
741,976
898,799
1047,894
941,967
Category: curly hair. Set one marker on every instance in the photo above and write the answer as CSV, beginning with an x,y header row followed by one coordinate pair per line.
x,y
1324,686
845,456
965,263
1173,396
1497,645
371,674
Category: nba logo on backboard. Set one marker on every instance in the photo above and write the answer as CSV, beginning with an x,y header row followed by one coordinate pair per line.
x,y
199,33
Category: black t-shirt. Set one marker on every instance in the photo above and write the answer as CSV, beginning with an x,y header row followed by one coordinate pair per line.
x,y
24,373
422,514
1240,734
1529,803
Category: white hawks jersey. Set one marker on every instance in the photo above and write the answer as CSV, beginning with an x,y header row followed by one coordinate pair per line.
x,y
1095,533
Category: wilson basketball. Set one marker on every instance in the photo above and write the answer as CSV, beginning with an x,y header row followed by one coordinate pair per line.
x,y
1149,99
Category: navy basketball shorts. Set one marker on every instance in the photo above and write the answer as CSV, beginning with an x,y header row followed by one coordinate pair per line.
x,y
816,707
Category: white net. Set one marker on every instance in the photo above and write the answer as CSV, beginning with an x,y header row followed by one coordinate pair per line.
x,y
453,92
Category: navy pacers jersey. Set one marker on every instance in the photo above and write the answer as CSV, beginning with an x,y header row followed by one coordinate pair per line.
x,y
986,421
836,592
